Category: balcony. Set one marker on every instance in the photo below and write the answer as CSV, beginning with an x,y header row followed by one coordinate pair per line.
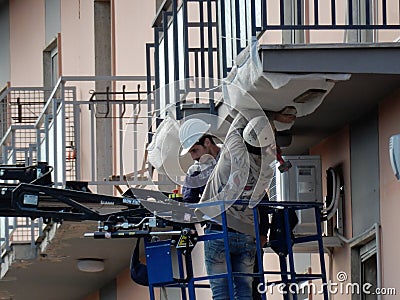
x,y
65,127
196,43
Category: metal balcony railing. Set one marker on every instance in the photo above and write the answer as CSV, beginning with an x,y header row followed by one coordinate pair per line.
x,y
201,38
309,14
20,105
64,132
19,108
70,135
18,145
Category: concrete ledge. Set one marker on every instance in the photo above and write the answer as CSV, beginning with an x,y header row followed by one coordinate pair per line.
x,y
312,247
365,58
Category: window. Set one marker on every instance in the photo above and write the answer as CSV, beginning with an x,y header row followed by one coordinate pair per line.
x,y
365,268
54,66
50,65
368,268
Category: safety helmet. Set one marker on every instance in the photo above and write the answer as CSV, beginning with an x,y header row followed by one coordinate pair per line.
x,y
190,132
258,132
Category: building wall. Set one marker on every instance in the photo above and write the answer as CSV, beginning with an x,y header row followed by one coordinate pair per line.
x,y
325,36
127,289
393,9
133,29
364,163
130,31
77,38
77,59
123,288
53,20
4,43
94,296
389,111
341,13
335,152
27,39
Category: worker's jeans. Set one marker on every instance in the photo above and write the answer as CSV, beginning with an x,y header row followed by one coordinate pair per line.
x,y
243,253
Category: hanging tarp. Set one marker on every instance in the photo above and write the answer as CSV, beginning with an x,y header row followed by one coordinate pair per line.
x,y
164,149
248,87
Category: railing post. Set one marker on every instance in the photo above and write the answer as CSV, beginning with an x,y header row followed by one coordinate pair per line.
x,y
78,146
55,139
222,40
63,137
157,104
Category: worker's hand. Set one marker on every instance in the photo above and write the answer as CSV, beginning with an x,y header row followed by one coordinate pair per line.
x,y
286,115
284,119
206,161
194,169
263,240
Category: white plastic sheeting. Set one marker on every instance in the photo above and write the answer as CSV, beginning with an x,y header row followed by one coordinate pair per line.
x,y
249,90
164,149
248,87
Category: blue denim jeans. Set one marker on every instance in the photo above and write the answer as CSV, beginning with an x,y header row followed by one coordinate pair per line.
x,y
243,252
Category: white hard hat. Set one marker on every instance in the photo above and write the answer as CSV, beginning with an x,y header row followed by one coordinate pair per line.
x,y
190,133
258,132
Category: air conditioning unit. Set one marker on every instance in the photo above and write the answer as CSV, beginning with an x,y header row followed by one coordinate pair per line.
x,y
301,183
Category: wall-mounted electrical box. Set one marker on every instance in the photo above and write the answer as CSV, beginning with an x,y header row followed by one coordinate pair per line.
x,y
301,183
394,154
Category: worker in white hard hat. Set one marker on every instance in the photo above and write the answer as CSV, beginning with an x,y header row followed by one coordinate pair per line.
x,y
221,186
191,134
242,172
201,146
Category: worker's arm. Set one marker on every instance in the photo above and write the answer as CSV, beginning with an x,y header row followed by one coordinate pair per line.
x,y
191,194
196,179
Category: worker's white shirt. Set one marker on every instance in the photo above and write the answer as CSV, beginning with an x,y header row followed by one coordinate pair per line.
x,y
237,175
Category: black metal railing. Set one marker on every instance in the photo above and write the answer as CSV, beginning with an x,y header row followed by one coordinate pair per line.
x,y
302,17
360,15
201,38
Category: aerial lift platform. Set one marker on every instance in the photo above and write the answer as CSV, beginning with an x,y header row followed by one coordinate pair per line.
x,y
129,217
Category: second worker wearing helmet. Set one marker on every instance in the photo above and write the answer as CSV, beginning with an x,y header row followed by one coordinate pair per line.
x,y
201,146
